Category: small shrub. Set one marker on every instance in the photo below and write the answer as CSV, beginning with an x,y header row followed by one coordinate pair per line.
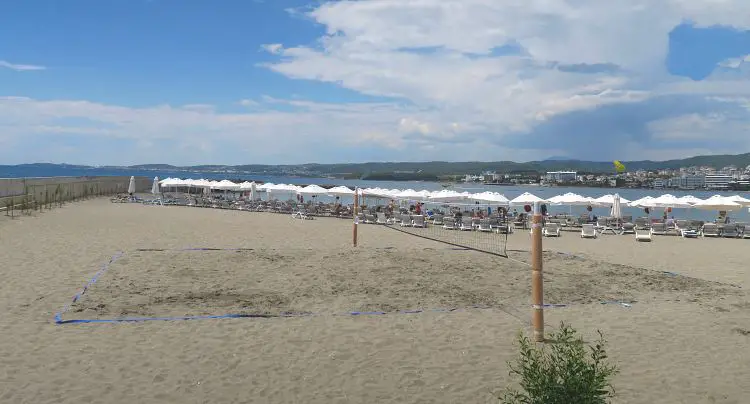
x,y
564,371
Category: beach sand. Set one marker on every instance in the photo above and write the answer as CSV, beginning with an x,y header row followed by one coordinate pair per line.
x,y
682,340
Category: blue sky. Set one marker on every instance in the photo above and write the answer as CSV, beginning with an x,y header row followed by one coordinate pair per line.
x,y
288,81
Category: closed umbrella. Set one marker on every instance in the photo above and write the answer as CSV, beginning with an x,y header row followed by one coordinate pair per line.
x,y
155,186
616,210
131,186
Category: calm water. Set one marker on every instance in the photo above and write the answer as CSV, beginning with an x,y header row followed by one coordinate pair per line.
x,y
509,191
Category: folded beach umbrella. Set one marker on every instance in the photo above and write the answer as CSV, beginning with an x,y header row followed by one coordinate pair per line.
x,y
131,185
616,210
155,186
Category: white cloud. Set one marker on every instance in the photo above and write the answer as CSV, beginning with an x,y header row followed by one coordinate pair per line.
x,y
456,90
20,67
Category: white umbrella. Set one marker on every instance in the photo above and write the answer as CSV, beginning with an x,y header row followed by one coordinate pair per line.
x,y
226,185
526,199
340,191
669,201
608,200
738,199
412,194
717,202
246,186
377,192
616,210
312,190
447,195
131,185
571,199
487,196
265,186
155,186
690,199
645,202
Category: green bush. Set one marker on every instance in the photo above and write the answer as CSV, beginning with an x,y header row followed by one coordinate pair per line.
x,y
562,371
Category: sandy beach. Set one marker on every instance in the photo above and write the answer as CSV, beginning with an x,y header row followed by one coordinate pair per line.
x,y
682,339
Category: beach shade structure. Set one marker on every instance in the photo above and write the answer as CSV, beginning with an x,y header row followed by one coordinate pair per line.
x,y
312,190
340,191
413,195
226,185
265,186
608,200
246,186
377,192
490,197
155,186
738,199
690,199
448,196
645,202
131,185
571,199
253,193
718,202
668,201
616,210
526,199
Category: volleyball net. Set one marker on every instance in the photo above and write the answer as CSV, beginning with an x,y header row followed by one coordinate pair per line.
x,y
477,226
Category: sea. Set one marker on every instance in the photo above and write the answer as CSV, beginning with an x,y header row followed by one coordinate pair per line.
x,y
510,192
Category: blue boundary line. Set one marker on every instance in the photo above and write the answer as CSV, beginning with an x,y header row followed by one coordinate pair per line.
x,y
105,267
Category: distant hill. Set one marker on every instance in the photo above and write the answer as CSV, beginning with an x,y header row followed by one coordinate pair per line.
x,y
433,169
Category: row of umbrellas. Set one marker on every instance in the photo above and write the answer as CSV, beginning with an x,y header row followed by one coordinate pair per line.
x,y
716,202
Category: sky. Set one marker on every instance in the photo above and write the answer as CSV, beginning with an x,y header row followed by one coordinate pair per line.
x,y
189,82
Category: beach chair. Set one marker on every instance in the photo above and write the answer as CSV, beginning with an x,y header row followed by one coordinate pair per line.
x,y
628,228
641,223
466,224
437,220
642,235
370,219
710,230
551,230
730,231
418,221
745,231
382,219
405,221
449,223
659,229
485,225
684,229
588,231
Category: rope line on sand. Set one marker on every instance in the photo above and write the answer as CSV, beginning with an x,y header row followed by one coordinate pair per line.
x,y
104,268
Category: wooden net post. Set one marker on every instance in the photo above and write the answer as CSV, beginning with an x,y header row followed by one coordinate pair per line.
x,y
537,280
356,219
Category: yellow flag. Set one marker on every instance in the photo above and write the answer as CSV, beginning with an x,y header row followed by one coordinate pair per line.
x,y
619,166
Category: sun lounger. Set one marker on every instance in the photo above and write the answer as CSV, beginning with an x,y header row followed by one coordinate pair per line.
x,y
418,221
485,225
466,224
730,231
642,223
628,228
381,218
659,229
745,231
449,223
437,220
710,230
551,230
642,235
405,221
370,219
588,231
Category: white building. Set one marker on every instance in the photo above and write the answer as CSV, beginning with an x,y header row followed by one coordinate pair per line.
x,y
718,181
561,176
